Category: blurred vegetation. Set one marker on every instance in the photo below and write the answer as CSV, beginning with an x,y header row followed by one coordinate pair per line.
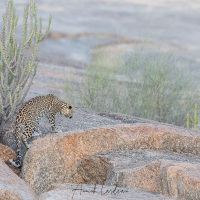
x,y
143,82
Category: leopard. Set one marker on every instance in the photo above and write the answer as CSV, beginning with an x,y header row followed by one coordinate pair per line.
x,y
29,116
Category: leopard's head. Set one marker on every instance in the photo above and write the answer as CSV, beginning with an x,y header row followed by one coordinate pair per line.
x,y
66,110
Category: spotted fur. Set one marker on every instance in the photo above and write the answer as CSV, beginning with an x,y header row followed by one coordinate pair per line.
x,y
29,116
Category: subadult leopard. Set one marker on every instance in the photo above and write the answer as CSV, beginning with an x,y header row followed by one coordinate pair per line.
x,y
29,116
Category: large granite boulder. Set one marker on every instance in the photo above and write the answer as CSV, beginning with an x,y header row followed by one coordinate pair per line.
x,y
170,178
70,157
56,158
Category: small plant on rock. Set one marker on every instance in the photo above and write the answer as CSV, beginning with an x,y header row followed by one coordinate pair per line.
x,y
192,121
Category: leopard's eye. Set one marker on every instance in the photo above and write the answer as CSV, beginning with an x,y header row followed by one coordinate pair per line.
x,y
70,107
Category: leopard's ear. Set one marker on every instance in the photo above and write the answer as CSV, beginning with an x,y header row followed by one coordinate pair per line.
x,y
70,107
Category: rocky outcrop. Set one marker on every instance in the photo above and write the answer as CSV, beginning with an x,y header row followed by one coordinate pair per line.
x,y
180,180
7,153
170,178
12,187
144,177
66,158
55,158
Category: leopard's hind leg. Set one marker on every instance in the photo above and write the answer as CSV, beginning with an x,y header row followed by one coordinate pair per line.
x,y
27,133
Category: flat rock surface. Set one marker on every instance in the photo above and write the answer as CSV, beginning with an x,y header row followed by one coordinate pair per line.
x,y
87,192
126,160
85,119
82,119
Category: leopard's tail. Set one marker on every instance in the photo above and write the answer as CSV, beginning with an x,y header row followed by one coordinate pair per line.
x,y
17,162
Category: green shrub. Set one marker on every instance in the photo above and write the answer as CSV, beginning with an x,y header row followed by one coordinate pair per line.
x,y
143,83
17,59
162,91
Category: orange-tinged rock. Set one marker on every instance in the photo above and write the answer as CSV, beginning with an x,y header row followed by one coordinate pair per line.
x,y
180,180
92,170
7,153
170,178
144,177
53,159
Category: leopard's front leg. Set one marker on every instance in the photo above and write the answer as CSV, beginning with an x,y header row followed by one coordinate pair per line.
x,y
52,120
36,131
